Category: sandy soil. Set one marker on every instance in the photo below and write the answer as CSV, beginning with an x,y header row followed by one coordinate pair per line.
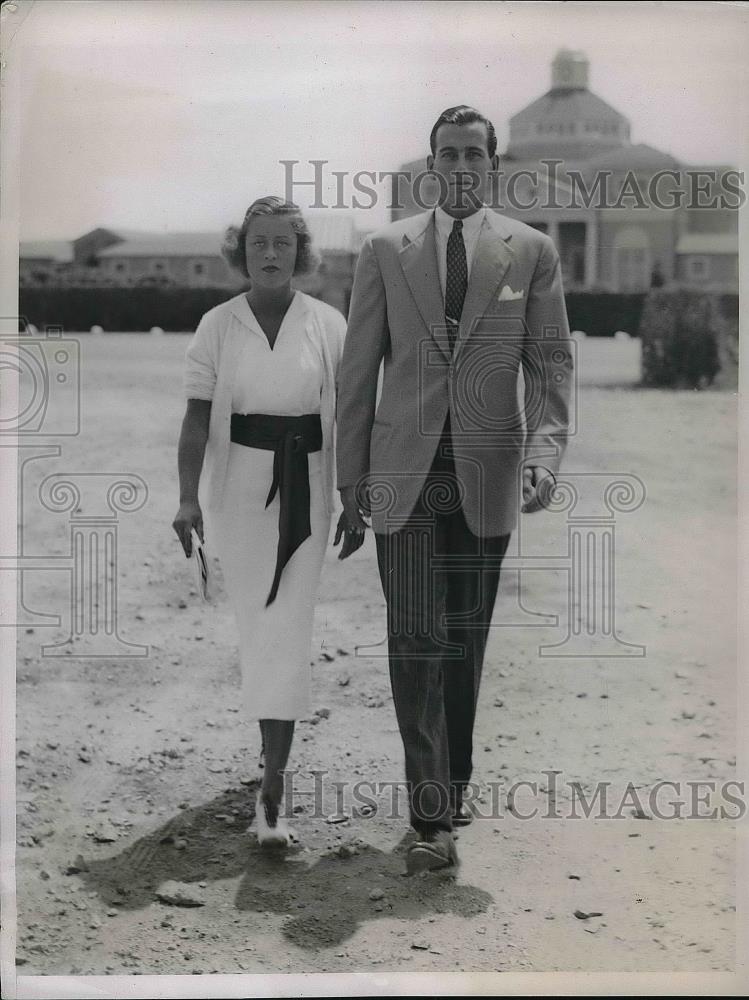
x,y
134,773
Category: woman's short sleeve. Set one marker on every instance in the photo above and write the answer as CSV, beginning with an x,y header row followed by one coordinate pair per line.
x,y
200,364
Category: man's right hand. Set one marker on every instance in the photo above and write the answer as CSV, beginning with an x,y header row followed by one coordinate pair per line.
x,y
189,516
356,505
351,526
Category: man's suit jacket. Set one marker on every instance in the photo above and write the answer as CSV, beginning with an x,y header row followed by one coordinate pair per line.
x,y
513,318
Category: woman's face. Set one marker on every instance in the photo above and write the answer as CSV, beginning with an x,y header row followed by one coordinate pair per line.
x,y
270,251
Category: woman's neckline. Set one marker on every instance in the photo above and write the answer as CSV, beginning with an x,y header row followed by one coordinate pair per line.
x,y
260,327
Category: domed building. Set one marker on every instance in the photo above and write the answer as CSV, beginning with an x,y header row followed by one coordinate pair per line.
x,y
568,120
616,210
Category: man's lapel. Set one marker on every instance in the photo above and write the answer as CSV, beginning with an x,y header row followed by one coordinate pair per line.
x,y
491,259
418,258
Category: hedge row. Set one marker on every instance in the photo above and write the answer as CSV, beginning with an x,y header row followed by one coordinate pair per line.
x,y
599,314
118,309
140,309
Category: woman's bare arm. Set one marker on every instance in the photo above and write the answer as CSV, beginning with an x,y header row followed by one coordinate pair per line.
x,y
192,443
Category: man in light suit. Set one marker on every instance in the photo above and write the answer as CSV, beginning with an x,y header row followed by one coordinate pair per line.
x,y
456,302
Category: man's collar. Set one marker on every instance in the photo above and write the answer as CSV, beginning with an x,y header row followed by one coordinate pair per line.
x,y
471,224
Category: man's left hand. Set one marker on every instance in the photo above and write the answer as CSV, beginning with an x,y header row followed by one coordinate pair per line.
x,y
538,486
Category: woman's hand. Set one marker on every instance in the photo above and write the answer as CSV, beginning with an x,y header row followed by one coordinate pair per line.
x,y
193,439
189,516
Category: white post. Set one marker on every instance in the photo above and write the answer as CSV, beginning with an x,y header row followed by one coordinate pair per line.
x,y
591,252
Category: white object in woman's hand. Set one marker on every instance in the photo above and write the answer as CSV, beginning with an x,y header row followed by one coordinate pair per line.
x,y
189,517
201,564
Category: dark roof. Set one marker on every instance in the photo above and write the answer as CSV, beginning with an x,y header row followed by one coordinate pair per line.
x,y
116,231
332,231
564,104
639,156
168,245
576,152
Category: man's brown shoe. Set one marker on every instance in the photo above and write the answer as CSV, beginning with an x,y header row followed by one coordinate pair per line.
x,y
433,851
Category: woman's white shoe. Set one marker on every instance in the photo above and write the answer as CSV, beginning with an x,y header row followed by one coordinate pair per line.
x,y
270,834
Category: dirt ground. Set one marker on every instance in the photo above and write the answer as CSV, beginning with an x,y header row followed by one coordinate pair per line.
x,y
134,773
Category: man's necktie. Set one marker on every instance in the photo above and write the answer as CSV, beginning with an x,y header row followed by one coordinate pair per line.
x,y
456,281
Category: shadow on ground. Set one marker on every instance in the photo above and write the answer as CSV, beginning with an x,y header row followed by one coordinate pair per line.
x,y
325,900
203,844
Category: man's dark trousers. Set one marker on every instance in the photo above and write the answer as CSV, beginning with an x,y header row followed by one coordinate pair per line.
x,y
438,623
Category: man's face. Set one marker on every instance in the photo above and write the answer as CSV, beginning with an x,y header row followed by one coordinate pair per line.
x,y
462,161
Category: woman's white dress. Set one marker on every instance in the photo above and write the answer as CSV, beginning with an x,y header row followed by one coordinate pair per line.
x,y
274,642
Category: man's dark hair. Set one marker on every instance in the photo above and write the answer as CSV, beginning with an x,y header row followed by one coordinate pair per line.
x,y
463,115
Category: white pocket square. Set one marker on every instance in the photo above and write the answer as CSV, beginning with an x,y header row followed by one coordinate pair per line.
x,y
507,294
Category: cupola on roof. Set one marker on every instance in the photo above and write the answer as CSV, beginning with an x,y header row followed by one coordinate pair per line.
x,y
569,119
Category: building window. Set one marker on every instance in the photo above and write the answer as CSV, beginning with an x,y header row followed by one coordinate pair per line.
x,y
119,267
158,267
198,268
698,268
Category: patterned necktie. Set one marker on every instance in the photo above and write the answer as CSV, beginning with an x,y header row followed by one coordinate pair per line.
x,y
456,281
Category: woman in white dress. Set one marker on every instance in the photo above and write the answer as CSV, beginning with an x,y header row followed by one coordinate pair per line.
x,y
260,385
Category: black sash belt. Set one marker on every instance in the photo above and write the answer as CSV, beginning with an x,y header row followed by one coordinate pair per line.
x,y
290,439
